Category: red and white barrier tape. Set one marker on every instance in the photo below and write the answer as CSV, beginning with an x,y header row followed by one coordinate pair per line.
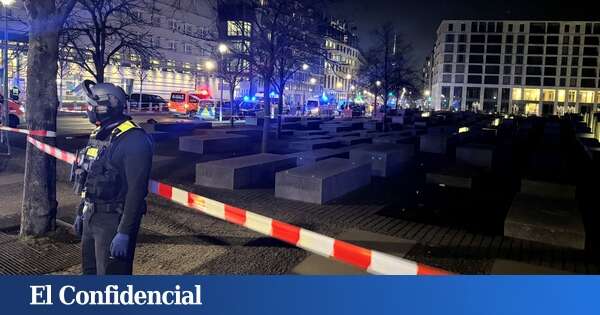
x,y
41,133
372,261
53,151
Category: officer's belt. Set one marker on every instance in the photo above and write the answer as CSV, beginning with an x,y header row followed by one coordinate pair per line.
x,y
108,207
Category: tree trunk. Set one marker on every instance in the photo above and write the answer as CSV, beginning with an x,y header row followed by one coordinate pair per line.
x,y
267,115
99,74
38,215
280,112
231,102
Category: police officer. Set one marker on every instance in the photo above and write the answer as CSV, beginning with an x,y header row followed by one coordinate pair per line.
x,y
111,174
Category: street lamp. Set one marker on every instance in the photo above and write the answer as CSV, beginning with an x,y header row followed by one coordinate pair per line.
x,y
223,50
313,81
209,65
378,83
305,67
5,120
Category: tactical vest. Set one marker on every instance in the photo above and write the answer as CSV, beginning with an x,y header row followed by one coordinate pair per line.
x,y
97,180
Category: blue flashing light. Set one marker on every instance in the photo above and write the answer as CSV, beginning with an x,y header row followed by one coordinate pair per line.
x,y
246,98
325,98
253,98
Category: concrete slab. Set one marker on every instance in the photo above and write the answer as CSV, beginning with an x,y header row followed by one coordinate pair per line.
x,y
386,159
319,265
353,140
303,133
347,134
372,125
511,267
549,221
252,133
315,137
454,176
547,189
398,120
395,139
323,181
476,155
435,143
313,156
215,143
336,128
313,144
250,171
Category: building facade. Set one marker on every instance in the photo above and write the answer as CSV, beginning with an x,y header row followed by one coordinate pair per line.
x,y
176,30
521,67
340,73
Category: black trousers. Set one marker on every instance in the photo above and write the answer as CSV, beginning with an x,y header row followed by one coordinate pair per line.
x,y
99,229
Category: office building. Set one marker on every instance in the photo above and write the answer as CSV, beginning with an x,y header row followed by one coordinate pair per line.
x,y
176,30
521,67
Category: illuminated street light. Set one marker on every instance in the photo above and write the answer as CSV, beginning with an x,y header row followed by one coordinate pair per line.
x,y
378,83
352,87
210,65
427,93
339,85
313,81
222,48
348,76
305,67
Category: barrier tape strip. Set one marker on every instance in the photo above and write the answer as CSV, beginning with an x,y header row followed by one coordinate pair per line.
x,y
41,133
372,261
53,151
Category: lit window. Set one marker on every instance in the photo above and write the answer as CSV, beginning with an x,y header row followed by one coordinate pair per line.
x,y
517,94
561,95
586,96
238,28
531,94
598,97
549,95
572,97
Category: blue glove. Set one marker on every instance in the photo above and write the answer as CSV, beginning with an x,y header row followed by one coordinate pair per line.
x,y
78,225
119,245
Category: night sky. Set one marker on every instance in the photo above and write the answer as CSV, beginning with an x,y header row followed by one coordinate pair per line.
x,y
418,20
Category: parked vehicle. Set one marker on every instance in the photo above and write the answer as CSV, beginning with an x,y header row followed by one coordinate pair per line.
x,y
250,107
16,112
189,102
149,101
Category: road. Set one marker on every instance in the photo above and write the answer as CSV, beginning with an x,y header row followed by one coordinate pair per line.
x,y
78,124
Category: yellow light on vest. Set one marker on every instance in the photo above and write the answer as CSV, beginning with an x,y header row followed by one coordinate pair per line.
x,y
496,122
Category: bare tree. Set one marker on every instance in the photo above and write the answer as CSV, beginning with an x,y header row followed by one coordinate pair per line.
x,y
279,27
387,68
140,69
99,29
233,69
45,19
65,60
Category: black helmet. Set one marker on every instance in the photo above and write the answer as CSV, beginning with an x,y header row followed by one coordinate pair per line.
x,y
101,106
